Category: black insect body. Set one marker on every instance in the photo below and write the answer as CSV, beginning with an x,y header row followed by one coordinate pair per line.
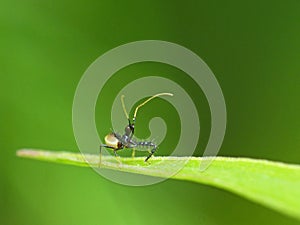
x,y
117,142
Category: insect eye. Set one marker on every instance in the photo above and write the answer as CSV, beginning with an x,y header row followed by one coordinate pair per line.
x,y
127,130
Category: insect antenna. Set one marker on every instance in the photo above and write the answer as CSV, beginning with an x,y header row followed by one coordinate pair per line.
x,y
149,99
124,108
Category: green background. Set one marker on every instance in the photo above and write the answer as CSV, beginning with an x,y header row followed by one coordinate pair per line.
x,y
253,49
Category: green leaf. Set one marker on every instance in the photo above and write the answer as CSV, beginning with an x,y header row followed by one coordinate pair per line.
x,y
272,184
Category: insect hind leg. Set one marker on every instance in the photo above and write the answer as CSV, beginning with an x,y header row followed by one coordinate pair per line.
x,y
153,150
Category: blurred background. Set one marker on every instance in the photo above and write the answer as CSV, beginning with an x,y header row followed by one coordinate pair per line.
x,y
253,48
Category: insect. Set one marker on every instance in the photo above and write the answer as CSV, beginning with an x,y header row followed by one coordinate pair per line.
x,y
117,142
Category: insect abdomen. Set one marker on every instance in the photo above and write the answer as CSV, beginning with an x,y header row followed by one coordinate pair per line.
x,y
146,145
111,141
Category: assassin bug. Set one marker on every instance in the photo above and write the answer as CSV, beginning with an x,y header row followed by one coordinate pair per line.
x,y
117,142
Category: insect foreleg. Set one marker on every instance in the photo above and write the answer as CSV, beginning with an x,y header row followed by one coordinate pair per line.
x,y
100,154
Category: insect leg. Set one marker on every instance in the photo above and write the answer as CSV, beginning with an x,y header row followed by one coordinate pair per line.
x,y
131,144
100,155
133,153
115,152
151,153
116,155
